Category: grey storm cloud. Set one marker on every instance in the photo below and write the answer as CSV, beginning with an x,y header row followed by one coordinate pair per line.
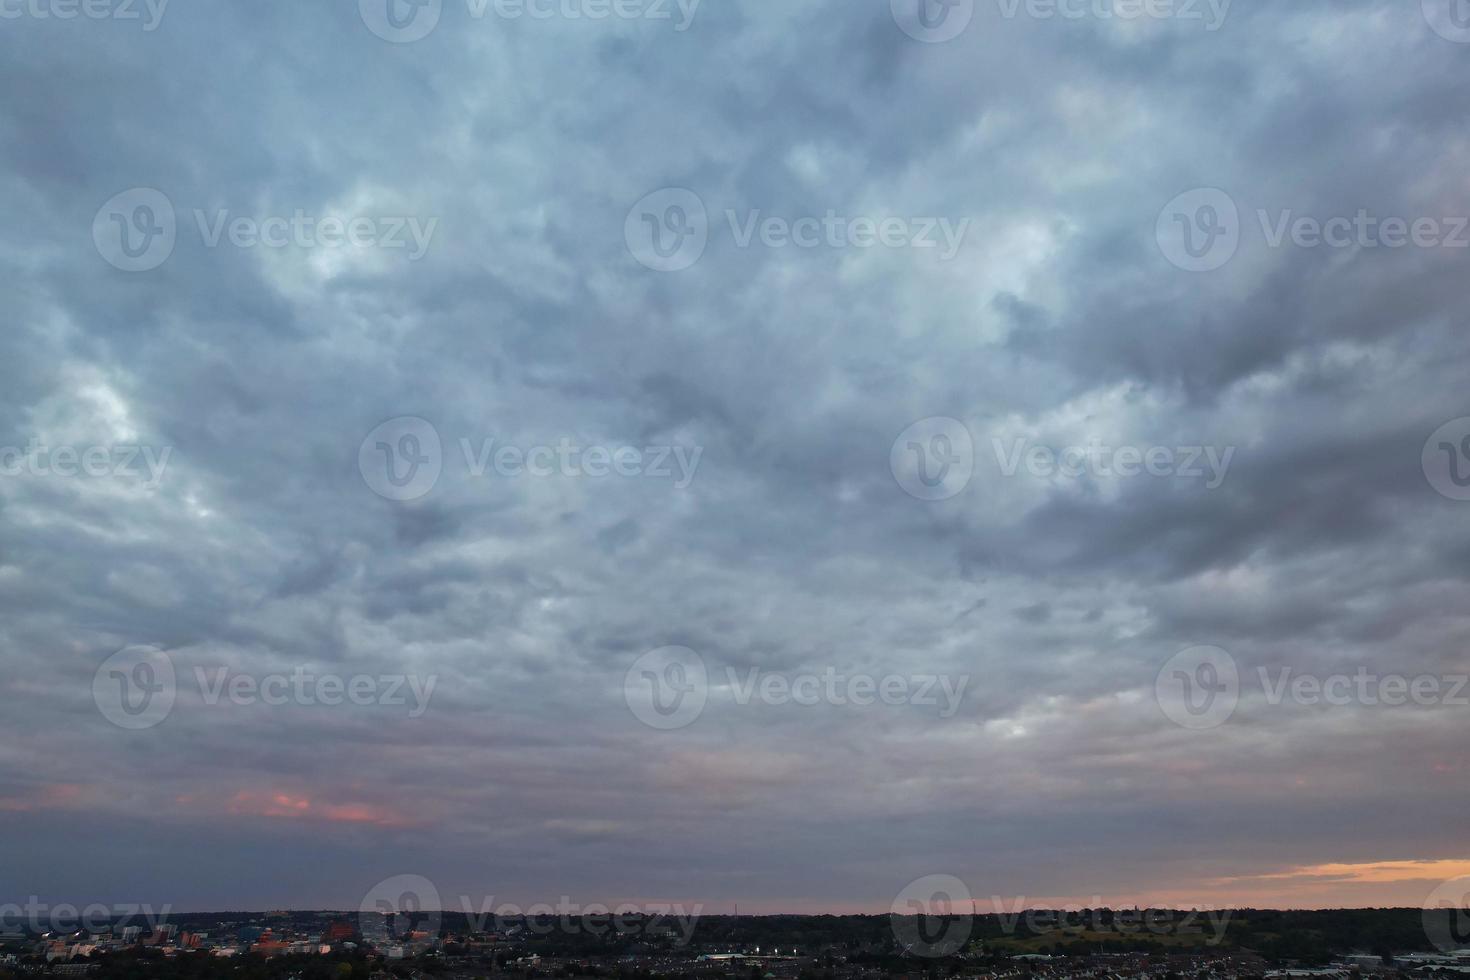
x,y
267,547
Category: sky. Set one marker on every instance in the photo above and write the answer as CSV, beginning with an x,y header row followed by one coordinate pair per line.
x,y
735,452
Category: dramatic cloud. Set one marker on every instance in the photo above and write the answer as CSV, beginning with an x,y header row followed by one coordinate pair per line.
x,y
378,400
